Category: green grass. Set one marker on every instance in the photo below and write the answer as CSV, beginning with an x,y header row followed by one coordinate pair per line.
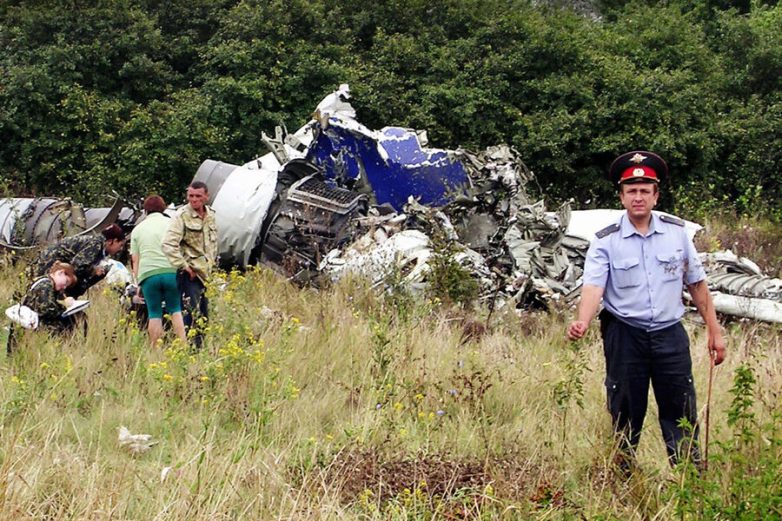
x,y
326,405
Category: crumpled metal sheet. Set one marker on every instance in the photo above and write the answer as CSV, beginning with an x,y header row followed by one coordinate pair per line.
x,y
27,222
739,276
517,251
373,255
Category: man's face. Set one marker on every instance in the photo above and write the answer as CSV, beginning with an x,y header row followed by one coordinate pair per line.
x,y
197,197
639,198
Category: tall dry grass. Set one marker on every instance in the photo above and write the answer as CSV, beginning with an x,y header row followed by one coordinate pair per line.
x,y
328,404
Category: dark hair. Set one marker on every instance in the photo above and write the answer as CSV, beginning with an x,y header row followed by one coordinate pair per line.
x,y
154,204
114,232
196,185
67,268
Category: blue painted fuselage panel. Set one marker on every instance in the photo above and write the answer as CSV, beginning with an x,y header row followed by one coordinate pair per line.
x,y
391,161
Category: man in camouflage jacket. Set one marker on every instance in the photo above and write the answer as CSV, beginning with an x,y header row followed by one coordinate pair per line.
x,y
190,244
84,253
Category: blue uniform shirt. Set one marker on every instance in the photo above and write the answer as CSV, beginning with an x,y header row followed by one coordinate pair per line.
x,y
643,276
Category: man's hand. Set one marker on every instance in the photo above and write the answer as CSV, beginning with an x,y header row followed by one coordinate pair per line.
x,y
68,302
576,329
717,348
98,271
587,308
190,272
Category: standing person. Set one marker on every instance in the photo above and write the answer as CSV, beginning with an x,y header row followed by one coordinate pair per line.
x,y
638,266
154,273
85,253
191,246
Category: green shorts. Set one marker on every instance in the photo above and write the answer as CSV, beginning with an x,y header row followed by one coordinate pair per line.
x,y
158,289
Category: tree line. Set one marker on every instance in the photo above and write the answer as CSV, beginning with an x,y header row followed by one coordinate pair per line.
x,y
132,95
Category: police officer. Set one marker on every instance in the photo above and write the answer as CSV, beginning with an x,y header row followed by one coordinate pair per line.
x,y
638,266
190,244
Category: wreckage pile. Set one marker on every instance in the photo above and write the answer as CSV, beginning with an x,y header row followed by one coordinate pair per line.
x,y
377,197
516,250
336,198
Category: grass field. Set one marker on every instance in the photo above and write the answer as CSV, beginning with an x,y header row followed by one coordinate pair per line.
x,y
344,404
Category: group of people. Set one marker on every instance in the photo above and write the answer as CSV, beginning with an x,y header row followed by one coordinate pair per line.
x,y
636,268
171,260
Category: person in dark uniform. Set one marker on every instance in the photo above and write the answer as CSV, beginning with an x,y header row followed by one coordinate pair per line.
x,y
85,253
638,267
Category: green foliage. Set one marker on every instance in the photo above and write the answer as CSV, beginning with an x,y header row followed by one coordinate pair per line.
x,y
740,415
570,388
135,94
448,280
748,464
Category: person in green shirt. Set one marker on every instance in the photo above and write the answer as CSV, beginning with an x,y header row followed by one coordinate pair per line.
x,y
154,273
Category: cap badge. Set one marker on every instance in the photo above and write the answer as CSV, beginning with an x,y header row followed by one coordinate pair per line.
x,y
638,159
638,172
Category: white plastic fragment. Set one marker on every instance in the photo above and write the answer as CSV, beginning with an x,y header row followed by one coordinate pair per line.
x,y
22,315
136,443
117,274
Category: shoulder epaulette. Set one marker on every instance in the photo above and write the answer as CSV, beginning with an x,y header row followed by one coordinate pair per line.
x,y
670,219
608,230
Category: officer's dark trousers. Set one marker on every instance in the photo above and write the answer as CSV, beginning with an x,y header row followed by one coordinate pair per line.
x,y
635,357
194,303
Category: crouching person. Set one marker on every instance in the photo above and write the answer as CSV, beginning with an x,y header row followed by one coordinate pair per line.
x,y
46,297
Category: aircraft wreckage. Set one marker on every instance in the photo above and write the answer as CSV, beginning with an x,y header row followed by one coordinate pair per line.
x,y
337,198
